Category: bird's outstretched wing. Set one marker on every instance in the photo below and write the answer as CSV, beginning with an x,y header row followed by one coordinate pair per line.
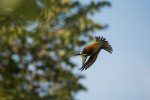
x,y
83,60
90,61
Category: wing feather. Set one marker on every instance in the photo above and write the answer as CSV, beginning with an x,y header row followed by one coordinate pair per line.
x,y
90,61
83,60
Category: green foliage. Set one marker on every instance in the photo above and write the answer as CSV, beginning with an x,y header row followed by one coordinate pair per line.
x,y
37,40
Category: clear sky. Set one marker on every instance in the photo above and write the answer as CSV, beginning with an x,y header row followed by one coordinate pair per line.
x,y
124,74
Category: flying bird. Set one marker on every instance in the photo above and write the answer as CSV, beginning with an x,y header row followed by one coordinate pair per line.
x,y
93,50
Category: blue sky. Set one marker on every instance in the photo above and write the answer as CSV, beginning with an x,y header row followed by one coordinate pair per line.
x,y
124,74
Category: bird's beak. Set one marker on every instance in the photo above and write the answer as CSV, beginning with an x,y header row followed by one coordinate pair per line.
x,y
77,54
83,55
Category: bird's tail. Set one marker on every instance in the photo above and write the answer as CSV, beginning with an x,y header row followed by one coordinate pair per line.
x,y
106,45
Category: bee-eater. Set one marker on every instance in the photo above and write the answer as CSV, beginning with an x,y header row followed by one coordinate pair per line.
x,y
93,50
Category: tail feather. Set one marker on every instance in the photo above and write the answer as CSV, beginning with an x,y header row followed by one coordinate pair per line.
x,y
106,45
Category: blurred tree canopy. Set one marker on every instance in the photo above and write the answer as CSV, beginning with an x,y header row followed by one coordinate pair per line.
x,y
37,40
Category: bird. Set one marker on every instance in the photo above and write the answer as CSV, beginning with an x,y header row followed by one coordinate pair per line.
x,y
92,51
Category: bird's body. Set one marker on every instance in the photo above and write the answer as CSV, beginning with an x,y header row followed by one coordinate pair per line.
x,y
93,50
